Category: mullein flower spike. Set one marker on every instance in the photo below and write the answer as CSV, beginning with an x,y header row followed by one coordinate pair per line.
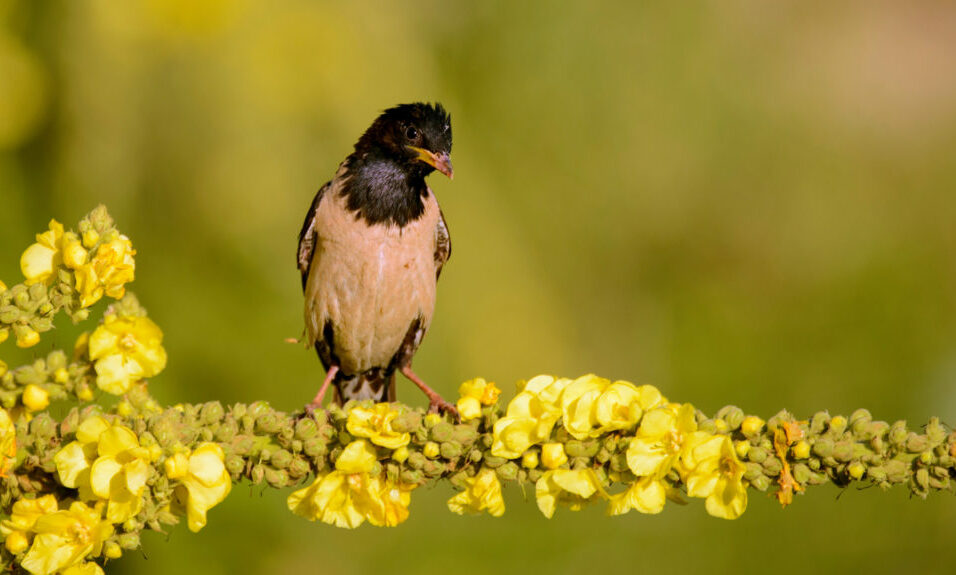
x,y
78,492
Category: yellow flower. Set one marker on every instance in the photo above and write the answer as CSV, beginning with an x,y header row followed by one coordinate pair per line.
x,y
18,528
3,287
74,255
26,336
529,460
4,334
204,481
376,424
475,393
347,496
647,495
572,488
392,503
657,446
713,471
553,455
530,417
8,442
120,472
593,406
73,461
126,349
35,398
65,538
39,261
482,493
84,569
751,426
108,271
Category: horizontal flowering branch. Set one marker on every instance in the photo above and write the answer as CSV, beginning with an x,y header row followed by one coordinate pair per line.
x,y
78,492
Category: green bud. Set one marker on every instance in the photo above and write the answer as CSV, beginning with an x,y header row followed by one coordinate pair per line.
x,y
412,476
442,432
823,447
407,422
575,448
508,471
259,408
708,425
926,457
211,412
128,540
298,468
603,455
306,428
450,450
838,424
267,423
772,466
917,443
921,478
281,459
757,454
276,477
315,447
801,473
898,434
416,460
235,465
238,410
534,475
733,415
344,437
896,471
494,461
257,474
935,432
227,430
464,435
843,451
243,444
752,471
619,462
433,468
761,483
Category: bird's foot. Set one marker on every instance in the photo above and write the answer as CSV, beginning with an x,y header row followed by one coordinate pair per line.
x,y
438,405
316,403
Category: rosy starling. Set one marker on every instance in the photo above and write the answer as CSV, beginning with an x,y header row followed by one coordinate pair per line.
x,y
371,249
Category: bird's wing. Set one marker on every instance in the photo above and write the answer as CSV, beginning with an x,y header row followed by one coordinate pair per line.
x,y
442,244
308,236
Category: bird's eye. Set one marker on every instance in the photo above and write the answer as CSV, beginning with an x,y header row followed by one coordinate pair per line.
x,y
411,133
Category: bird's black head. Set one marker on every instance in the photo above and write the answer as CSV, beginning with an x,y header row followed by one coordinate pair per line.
x,y
386,172
416,136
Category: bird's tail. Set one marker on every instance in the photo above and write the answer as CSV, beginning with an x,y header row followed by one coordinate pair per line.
x,y
375,384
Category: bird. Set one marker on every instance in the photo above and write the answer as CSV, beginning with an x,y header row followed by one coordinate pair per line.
x,y
370,253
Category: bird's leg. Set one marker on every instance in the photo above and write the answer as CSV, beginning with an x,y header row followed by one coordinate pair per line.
x,y
317,402
435,402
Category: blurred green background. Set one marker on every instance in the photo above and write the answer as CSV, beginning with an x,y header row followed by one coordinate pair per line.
x,y
741,202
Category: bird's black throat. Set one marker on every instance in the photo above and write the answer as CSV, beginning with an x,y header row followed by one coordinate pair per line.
x,y
380,190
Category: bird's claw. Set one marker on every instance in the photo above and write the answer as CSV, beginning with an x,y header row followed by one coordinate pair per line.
x,y
440,406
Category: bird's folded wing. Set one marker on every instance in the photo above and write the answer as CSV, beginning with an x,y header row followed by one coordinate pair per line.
x,y
308,236
442,244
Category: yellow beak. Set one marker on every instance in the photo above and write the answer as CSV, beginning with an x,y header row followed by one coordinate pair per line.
x,y
440,162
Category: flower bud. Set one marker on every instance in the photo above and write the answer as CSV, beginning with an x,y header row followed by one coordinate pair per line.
x,y
306,428
896,471
772,466
16,542
35,398
921,478
400,455
742,448
259,408
464,434
267,423
761,483
416,460
281,459
494,461
508,471
553,455
757,454
407,422
257,474
529,459
235,465
441,431
412,476
801,473
112,550
298,468
84,392
935,432
926,457
431,450
856,470
843,451
751,426
732,415
26,336
433,468
838,424
822,448
432,419
801,450
917,443
752,471
450,450
212,412
276,477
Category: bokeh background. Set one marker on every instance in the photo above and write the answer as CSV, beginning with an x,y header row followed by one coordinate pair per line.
x,y
741,202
